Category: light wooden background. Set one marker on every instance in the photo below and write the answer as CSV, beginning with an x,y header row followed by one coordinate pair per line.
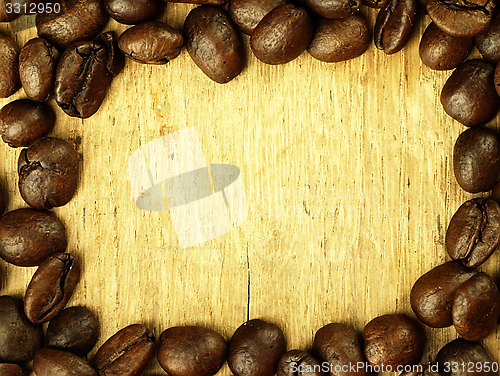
x,y
349,181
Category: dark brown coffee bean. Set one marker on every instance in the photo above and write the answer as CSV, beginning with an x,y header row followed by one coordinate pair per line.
x,y
213,43
7,369
191,351
476,159
255,349
50,362
335,9
75,329
23,121
461,18
151,43
476,308
339,40
48,173
488,42
474,232
282,35
441,51
37,68
433,293
246,14
9,70
298,363
394,25
375,3
338,344
29,236
19,338
51,287
132,12
393,340
78,20
127,353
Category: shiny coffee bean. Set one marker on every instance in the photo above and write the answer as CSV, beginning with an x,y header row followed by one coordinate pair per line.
x,y
191,351
213,43
19,338
151,43
9,70
476,308
393,340
48,173
37,68
335,9
50,362
375,3
51,287
255,349
127,353
23,121
78,20
298,363
394,25
339,40
488,42
29,236
8,369
441,51
133,12
474,232
476,159
282,35
75,329
339,344
246,14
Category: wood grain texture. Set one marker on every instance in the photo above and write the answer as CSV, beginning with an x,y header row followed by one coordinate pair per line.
x,y
349,184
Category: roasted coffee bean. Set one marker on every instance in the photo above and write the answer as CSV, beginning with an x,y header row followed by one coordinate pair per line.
x,y
213,43
7,369
339,344
29,236
476,308
488,42
75,329
474,232
282,35
393,340
50,362
191,351
48,173
476,159
51,287
255,349
375,3
78,20
127,353
246,14
334,8
394,25
469,95
441,51
433,293
461,18
298,363
23,121
9,70
37,68
151,43
132,12
19,338
339,40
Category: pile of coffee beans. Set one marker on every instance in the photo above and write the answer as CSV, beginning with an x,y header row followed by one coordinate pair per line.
x,y
74,64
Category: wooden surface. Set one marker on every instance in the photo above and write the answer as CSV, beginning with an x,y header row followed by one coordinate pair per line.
x,y
349,183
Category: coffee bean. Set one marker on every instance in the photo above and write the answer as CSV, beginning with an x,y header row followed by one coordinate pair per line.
x,y
393,340
29,236
115,61
51,287
7,369
255,349
127,353
433,293
282,35
246,14
476,159
213,43
375,3
339,40
191,351
339,344
50,362
298,363
151,43
441,51
488,42
19,338
9,70
334,9
37,68
23,121
48,173
75,329
132,12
